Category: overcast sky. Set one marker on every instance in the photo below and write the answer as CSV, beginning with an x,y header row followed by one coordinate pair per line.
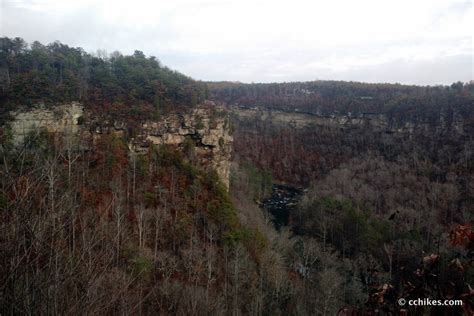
x,y
405,41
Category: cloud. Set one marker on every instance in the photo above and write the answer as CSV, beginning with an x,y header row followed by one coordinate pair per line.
x,y
259,40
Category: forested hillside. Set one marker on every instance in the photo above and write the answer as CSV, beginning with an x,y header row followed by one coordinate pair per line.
x,y
122,207
48,74
388,172
89,225
354,98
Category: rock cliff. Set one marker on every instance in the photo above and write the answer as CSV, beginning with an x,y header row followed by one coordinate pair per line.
x,y
62,118
443,123
206,128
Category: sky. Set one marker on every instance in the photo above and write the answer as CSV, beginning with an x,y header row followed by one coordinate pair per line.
x,y
425,42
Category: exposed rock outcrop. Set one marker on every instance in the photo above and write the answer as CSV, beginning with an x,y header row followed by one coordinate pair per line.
x,y
377,121
206,128
62,118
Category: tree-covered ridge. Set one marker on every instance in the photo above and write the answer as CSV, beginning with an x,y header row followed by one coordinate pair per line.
x,y
333,97
37,73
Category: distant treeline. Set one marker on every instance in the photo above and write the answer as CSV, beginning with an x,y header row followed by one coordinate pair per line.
x,y
37,73
332,97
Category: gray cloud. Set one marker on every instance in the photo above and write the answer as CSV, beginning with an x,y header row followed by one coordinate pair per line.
x,y
420,42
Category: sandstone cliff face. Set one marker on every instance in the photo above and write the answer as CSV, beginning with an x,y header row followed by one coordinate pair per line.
x,y
376,121
206,128
62,118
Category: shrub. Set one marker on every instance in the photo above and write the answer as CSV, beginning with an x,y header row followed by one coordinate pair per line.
x,y
142,267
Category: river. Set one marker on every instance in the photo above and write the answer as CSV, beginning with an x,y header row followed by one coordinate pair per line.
x,y
281,203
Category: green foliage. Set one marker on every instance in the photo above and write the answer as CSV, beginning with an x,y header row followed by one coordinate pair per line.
x,y
259,240
168,156
142,267
116,150
141,164
326,97
259,181
234,237
149,198
188,146
59,73
413,235
253,240
329,203
6,137
222,212
350,229
183,224
218,206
